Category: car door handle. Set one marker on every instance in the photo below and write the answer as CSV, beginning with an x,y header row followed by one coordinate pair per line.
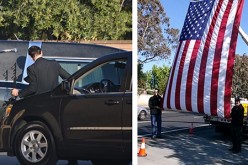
x,y
129,102
112,102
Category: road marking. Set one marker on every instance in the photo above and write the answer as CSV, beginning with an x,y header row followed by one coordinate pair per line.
x,y
198,117
140,122
175,130
147,121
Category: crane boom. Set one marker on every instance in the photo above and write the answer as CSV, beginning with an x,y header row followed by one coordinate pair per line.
x,y
243,35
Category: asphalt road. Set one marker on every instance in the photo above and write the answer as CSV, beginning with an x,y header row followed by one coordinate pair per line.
x,y
179,147
6,160
172,121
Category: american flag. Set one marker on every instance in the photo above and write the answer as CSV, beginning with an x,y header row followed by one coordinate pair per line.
x,y
201,75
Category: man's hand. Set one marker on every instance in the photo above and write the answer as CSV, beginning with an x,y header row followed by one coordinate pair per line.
x,y
15,92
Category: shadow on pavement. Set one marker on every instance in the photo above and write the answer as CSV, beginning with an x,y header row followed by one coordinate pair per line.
x,y
200,148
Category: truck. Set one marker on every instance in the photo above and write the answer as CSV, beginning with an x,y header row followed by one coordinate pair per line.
x,y
223,124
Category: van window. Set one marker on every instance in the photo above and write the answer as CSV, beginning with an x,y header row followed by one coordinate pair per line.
x,y
104,78
71,66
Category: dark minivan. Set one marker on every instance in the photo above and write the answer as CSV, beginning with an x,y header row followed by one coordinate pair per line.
x,y
87,117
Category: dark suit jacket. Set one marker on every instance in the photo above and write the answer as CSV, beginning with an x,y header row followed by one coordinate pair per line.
x,y
43,76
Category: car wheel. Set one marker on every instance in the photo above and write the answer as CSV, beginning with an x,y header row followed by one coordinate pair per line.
x,y
142,115
35,145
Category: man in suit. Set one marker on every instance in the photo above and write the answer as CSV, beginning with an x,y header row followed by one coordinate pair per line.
x,y
43,75
237,116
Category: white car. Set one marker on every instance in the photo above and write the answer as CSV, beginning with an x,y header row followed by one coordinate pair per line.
x,y
142,113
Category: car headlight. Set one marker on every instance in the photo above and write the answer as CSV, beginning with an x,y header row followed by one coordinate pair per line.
x,y
8,110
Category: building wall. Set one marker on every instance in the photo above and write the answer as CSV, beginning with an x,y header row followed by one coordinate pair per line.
x,y
120,44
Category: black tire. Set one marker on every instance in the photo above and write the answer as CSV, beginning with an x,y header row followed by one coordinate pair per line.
x,y
142,115
35,145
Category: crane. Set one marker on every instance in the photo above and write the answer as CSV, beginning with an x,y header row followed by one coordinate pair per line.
x,y
243,35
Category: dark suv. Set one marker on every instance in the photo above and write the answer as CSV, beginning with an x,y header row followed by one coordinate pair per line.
x,y
87,117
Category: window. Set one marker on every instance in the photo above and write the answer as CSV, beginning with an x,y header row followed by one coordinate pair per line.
x,y
71,66
104,78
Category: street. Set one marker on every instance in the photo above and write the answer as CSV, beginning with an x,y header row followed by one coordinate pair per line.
x,y
172,121
179,147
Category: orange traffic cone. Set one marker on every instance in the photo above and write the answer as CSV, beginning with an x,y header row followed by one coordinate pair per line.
x,y
191,129
142,151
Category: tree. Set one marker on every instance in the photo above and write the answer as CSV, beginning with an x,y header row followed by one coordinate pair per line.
x,y
142,77
111,21
240,77
158,77
156,38
66,19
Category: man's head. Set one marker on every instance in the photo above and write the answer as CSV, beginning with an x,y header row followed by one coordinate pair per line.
x,y
34,52
237,101
155,92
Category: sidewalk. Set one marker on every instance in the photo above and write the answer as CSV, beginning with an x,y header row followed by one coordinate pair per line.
x,y
191,149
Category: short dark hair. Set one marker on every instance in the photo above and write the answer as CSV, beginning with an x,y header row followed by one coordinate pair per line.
x,y
237,99
33,50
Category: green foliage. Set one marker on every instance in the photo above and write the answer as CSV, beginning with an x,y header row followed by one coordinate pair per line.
x,y
240,77
142,77
158,77
155,78
65,19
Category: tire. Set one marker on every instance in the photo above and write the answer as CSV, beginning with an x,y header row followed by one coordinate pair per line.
x,y
142,115
35,145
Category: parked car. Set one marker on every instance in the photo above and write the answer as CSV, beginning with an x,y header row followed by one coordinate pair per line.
x,y
142,113
87,117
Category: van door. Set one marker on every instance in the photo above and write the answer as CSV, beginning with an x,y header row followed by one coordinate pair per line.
x,y
92,116
127,112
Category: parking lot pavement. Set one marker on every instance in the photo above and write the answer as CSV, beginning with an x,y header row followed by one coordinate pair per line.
x,y
191,149
7,160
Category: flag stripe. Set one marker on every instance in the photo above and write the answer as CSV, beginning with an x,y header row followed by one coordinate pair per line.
x,y
230,62
185,74
224,58
174,80
171,78
190,75
179,76
210,59
217,58
204,59
165,96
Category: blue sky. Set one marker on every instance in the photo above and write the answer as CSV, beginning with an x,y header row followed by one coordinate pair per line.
x,y
176,11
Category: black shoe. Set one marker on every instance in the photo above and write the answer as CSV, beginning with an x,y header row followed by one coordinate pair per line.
x,y
159,136
236,151
231,149
153,137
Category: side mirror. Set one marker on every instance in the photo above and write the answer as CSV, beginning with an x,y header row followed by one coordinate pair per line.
x,y
65,85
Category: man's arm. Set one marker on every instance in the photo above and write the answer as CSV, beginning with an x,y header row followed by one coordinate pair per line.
x,y
151,106
63,73
32,87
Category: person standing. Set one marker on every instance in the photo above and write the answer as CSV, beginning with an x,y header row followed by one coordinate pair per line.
x,y
155,111
237,116
43,74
